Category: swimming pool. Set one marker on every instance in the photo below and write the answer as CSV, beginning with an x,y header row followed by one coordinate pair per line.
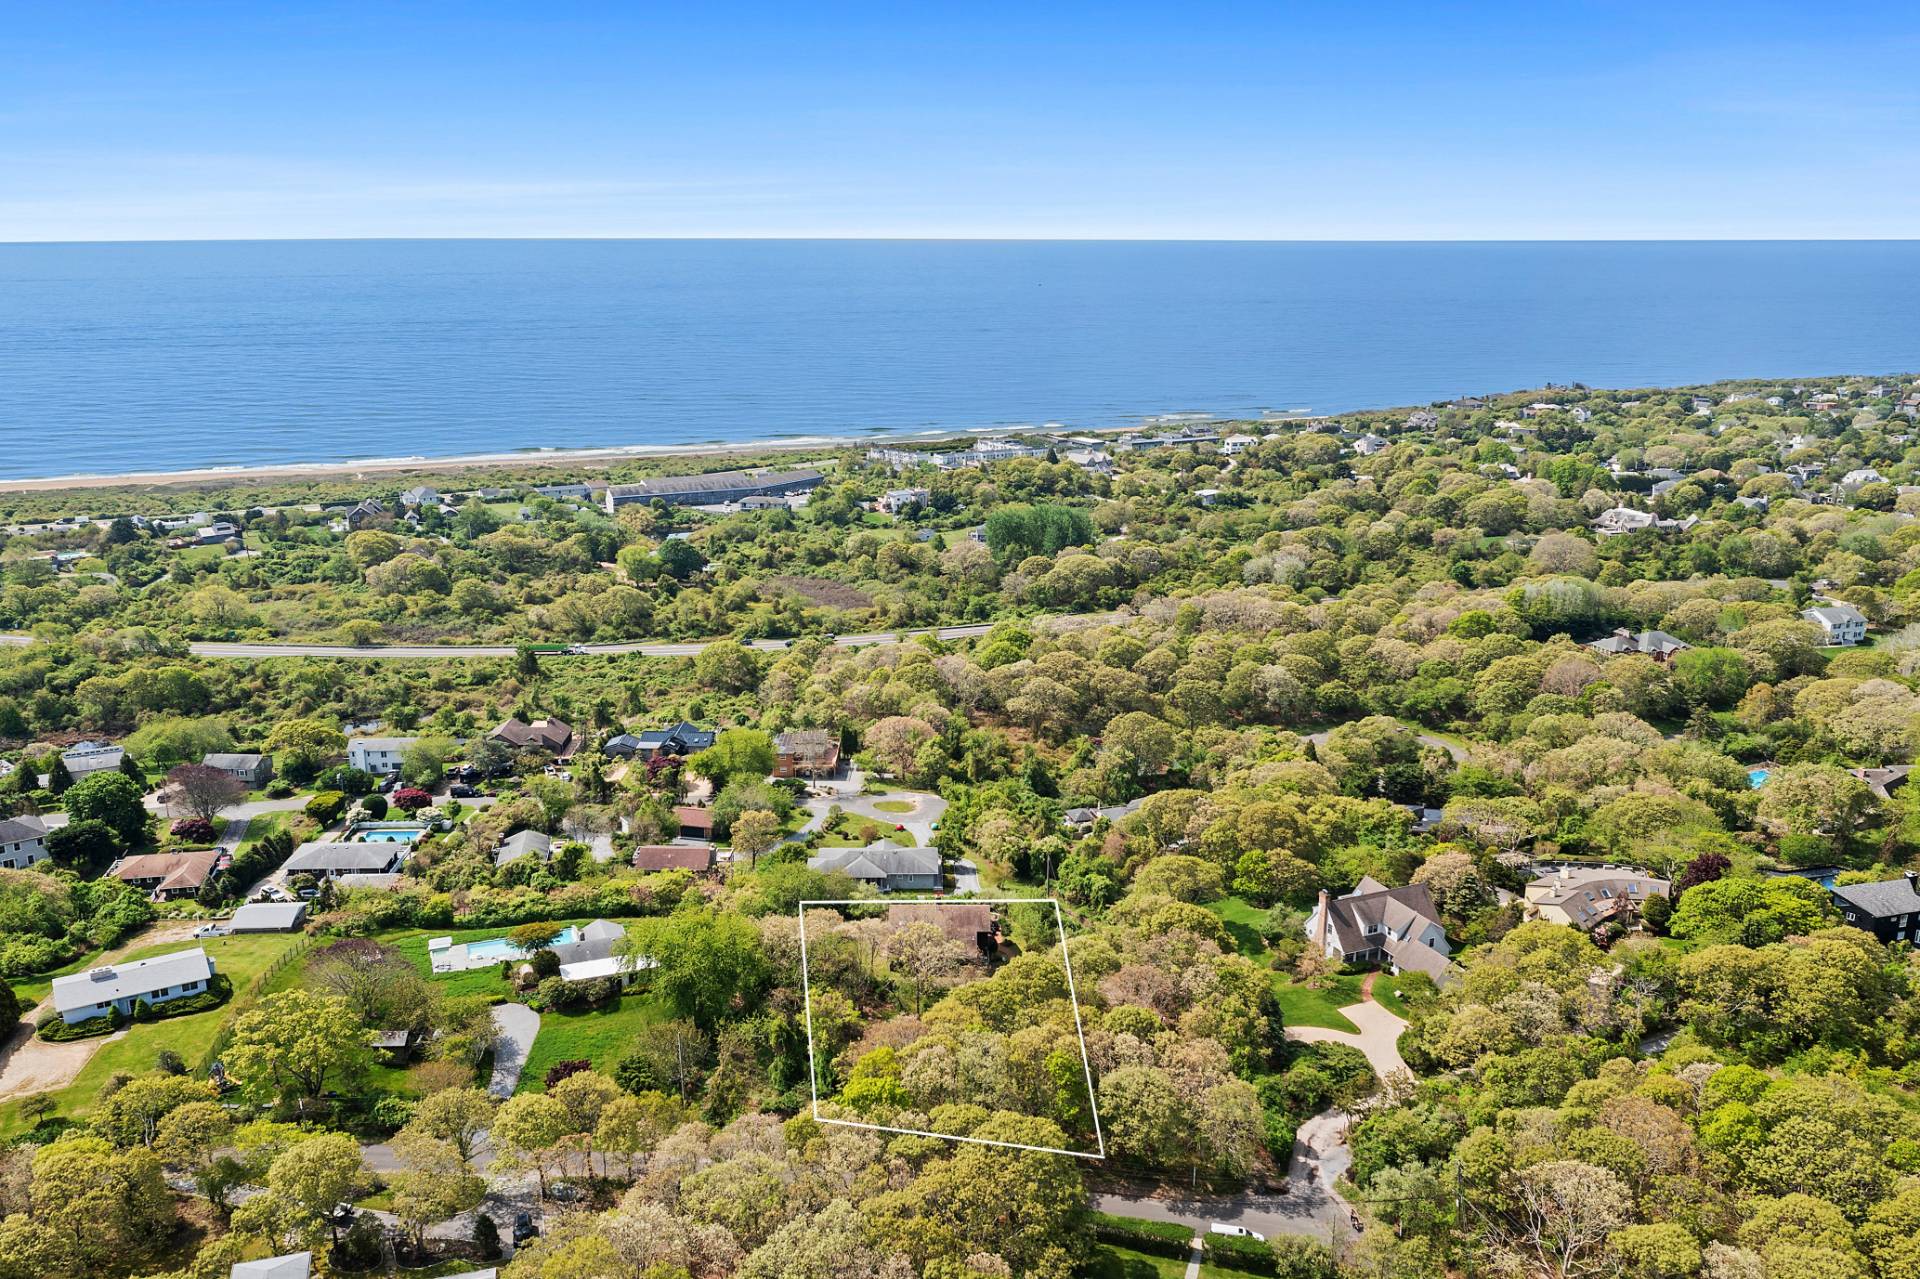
x,y
391,836
1757,777
495,949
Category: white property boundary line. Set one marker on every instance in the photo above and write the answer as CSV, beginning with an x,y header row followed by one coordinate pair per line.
x,y
1073,998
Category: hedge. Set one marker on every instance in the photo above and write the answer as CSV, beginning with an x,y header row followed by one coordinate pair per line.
x,y
1288,1257
55,1030
1161,1238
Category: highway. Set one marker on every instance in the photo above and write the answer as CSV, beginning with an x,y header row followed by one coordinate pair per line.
x,y
428,652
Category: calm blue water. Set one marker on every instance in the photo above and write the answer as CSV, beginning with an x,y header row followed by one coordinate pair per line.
x,y
498,948
164,356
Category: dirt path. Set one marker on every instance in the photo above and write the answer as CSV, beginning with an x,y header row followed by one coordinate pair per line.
x,y
29,1064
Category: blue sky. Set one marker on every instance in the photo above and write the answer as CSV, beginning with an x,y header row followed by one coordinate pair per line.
x,y
1171,120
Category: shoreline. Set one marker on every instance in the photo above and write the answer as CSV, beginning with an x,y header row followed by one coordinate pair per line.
x,y
602,456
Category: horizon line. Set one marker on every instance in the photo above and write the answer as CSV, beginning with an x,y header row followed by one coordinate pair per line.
x,y
954,239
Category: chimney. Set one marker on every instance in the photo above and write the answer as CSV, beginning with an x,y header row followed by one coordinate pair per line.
x,y
1913,881
1323,921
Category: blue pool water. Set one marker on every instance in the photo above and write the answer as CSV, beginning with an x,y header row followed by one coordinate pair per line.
x,y
1757,777
390,836
498,948
118,357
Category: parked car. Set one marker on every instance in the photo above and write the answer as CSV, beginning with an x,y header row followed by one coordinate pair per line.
x,y
523,1228
210,930
1238,1232
460,790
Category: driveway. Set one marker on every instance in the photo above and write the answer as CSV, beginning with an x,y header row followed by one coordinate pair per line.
x,y
1456,751
514,1027
1379,1036
966,876
923,811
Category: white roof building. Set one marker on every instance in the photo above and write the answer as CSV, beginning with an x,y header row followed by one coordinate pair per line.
x,y
294,1265
90,994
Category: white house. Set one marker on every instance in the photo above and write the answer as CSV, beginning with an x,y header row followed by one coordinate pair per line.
x,y
378,754
84,996
23,842
1843,623
1622,519
91,757
893,501
1374,924
1237,444
1369,444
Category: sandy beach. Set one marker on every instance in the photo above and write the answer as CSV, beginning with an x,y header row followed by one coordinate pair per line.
x,y
579,459
571,459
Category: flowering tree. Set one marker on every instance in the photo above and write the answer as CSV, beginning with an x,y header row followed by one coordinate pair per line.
x,y
411,799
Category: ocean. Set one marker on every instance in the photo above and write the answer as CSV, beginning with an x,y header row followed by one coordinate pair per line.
x,y
165,356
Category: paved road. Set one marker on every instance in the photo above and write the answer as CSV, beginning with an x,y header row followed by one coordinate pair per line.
x,y
1428,740
515,1026
428,651
1312,1212
972,630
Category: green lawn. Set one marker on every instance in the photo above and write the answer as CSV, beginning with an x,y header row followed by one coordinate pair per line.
x,y
1300,1006
265,824
1384,996
893,806
1110,1261
1243,920
601,1035
240,958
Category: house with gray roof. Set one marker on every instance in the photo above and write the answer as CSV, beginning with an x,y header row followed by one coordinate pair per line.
x,y
1890,909
1658,645
713,488
523,844
268,917
91,757
1396,927
1586,897
254,770
84,996
1841,623
23,842
293,1265
887,866
324,858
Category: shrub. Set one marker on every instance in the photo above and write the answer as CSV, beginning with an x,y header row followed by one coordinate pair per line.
x,y
392,1112
194,830
411,799
486,1238
376,806
326,806
563,1069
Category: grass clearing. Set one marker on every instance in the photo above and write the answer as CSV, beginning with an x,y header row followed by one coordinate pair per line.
x,y
1111,1261
893,806
602,1036
1304,1006
1243,920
